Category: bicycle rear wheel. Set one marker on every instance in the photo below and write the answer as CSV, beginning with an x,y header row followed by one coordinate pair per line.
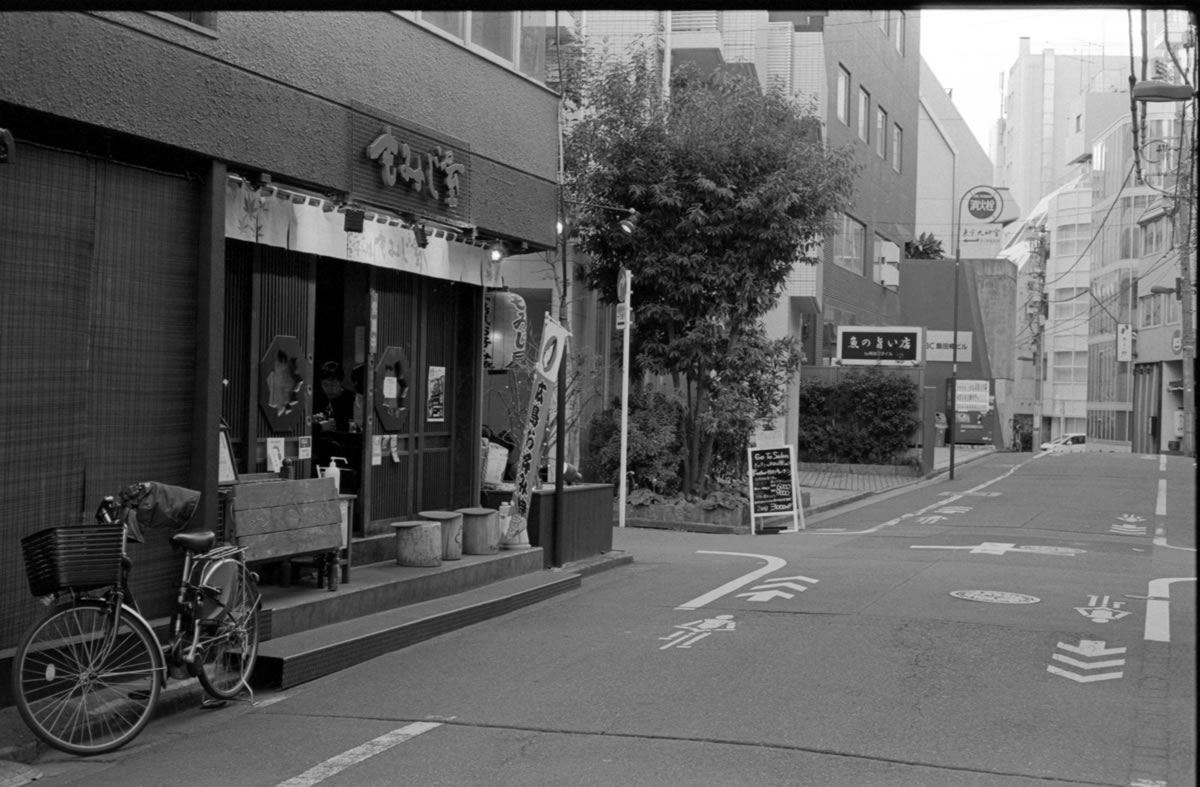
x,y
80,689
228,644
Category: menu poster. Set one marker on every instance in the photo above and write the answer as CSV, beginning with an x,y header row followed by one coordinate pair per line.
x,y
773,494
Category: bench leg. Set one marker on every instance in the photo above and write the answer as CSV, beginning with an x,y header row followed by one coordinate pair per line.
x,y
331,570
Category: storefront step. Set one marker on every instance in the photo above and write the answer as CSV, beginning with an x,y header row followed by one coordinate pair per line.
x,y
307,655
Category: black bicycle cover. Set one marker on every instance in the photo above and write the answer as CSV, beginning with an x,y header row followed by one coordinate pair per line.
x,y
161,505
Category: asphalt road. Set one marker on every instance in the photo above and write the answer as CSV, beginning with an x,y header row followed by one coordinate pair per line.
x,y
1004,628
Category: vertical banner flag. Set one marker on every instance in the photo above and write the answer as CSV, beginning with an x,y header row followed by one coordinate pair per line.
x,y
553,348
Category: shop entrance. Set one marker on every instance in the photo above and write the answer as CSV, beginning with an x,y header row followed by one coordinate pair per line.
x,y
341,325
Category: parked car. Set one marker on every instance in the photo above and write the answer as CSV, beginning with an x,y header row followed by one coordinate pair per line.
x,y
1067,442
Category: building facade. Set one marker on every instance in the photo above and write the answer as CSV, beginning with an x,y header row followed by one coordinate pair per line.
x,y
204,209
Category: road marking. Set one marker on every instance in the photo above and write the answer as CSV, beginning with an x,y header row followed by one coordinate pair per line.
x,y
1160,506
972,491
697,630
773,564
1158,608
1089,649
997,548
335,765
1162,463
771,590
1101,610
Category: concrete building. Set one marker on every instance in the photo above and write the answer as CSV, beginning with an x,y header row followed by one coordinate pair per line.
x,y
1041,117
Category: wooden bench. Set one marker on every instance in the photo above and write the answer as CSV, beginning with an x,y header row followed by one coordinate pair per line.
x,y
282,520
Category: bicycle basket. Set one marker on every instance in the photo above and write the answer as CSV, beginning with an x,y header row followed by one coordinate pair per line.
x,y
80,557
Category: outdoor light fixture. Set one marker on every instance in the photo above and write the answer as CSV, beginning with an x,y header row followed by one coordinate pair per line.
x,y
1156,91
629,223
422,235
497,252
354,219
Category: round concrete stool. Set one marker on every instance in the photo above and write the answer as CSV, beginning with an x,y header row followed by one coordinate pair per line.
x,y
418,543
451,532
481,531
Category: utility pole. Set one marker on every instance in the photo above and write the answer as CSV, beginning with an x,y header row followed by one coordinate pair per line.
x,y
1037,313
1187,333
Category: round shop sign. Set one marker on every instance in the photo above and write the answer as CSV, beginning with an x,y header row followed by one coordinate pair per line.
x,y
1177,343
985,203
994,596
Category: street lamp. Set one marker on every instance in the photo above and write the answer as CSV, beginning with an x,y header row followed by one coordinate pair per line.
x,y
1157,91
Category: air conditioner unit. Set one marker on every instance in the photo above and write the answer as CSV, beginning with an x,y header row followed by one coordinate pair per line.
x,y
887,274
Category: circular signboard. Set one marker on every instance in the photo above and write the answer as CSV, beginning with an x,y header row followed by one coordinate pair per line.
x,y
994,596
985,203
1177,342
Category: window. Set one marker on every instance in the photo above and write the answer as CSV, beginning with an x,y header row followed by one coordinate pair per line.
x,y
849,243
450,21
843,95
533,44
201,18
898,32
493,30
881,124
897,146
864,115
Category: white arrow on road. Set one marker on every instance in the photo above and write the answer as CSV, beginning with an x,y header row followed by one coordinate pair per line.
x,y
929,520
770,590
772,564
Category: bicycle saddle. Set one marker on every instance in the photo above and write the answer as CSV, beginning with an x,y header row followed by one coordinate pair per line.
x,y
200,541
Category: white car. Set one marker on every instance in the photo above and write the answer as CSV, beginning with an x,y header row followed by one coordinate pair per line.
x,y
1074,441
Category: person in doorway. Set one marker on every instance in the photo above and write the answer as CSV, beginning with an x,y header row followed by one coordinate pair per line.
x,y
335,408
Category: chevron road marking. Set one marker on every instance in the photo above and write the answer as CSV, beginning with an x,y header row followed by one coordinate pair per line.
x,y
1088,648
770,590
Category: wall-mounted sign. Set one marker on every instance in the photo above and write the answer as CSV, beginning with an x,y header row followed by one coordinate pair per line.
x,y
1124,343
284,376
504,331
435,402
392,380
408,169
885,345
939,346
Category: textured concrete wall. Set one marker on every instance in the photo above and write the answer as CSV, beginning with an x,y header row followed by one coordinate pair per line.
x,y
997,282
272,91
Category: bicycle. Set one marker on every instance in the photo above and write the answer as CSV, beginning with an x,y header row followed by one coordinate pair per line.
x,y
87,677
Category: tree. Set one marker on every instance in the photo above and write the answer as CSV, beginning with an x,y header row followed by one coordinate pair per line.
x,y
925,247
732,187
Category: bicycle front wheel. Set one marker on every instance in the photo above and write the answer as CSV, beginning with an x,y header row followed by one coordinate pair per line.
x,y
228,644
83,686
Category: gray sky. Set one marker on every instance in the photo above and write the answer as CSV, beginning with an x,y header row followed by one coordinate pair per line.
x,y
969,49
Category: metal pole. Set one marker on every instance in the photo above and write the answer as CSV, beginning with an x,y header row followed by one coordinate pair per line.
x,y
1038,343
560,428
627,302
1184,200
951,407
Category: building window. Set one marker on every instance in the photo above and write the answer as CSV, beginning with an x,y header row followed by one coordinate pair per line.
x,y
493,30
533,44
898,32
843,95
849,243
206,19
864,115
897,146
450,21
881,124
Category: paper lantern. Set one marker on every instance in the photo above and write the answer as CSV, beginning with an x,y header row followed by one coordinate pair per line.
x,y
504,332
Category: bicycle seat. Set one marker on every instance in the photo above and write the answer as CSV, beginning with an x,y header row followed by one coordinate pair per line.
x,y
200,541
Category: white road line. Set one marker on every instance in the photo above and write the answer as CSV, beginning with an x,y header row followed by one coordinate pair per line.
x,y
773,564
335,765
1162,463
1158,608
1160,505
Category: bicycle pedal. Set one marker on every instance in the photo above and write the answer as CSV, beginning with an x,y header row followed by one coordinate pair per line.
x,y
212,703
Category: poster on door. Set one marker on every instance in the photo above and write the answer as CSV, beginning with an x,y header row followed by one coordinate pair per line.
x,y
435,402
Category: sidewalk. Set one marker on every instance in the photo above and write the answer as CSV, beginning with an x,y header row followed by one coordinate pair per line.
x,y
827,490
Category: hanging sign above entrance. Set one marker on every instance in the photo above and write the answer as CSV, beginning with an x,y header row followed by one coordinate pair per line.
x,y
885,345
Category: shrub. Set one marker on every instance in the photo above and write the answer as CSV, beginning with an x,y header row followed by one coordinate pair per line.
x,y
653,459
866,417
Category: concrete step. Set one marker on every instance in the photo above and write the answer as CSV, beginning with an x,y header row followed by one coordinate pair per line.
x,y
306,655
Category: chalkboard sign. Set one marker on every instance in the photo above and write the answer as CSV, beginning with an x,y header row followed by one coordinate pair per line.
x,y
773,487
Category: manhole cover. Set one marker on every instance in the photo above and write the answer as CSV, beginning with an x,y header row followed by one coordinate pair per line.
x,y
994,596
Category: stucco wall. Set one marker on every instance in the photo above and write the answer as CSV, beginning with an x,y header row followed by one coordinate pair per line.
x,y
271,91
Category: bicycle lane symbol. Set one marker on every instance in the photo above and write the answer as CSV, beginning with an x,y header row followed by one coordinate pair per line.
x,y
692,632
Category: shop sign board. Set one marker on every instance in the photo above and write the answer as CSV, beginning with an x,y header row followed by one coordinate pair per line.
x,y
409,170
939,346
886,345
773,491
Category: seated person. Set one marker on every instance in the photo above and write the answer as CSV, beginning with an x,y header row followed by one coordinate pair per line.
x,y
335,407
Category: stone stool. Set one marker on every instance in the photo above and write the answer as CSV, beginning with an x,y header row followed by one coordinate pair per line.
x,y
451,522
418,543
481,531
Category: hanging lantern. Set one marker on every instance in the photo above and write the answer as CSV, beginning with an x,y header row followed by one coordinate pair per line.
x,y
503,331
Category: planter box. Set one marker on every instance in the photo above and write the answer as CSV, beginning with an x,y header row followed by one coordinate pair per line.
x,y
587,521
832,467
669,516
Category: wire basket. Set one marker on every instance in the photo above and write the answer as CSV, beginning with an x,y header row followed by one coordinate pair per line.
x,y
82,557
